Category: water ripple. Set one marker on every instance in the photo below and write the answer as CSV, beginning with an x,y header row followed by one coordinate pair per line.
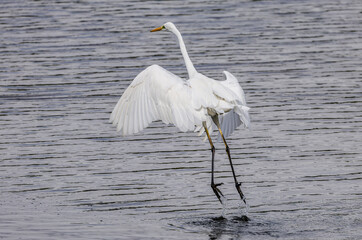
x,y
66,173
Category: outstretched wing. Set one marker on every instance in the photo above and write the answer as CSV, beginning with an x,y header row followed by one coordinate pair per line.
x,y
232,83
155,94
231,120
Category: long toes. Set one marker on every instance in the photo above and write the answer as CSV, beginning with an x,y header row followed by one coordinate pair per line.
x,y
240,192
218,190
217,193
215,188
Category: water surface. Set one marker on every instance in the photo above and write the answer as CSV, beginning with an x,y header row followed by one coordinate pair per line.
x,y
65,173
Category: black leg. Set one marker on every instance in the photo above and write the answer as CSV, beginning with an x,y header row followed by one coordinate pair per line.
x,y
214,186
237,184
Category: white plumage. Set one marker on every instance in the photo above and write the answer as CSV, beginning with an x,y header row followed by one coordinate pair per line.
x,y
196,104
157,94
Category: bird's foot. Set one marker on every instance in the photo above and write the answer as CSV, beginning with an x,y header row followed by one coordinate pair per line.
x,y
237,185
217,191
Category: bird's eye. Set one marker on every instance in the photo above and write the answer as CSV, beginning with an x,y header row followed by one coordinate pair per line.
x,y
163,27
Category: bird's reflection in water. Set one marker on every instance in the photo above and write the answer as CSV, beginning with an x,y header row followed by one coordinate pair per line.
x,y
233,227
220,226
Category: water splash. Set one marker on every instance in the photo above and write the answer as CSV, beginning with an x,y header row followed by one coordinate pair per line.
x,y
224,204
244,211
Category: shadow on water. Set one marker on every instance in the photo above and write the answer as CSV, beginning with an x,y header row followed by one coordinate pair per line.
x,y
235,227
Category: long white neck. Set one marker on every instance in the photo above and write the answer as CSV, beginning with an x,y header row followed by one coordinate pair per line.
x,y
190,67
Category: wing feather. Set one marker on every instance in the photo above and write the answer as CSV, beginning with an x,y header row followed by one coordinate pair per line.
x,y
234,94
143,113
232,83
155,94
228,123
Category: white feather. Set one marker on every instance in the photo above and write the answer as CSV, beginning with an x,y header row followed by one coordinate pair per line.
x,y
136,108
157,94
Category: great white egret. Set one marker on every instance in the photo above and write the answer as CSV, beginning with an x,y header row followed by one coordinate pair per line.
x,y
195,104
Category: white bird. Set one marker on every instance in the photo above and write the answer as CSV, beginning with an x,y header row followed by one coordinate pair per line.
x,y
195,104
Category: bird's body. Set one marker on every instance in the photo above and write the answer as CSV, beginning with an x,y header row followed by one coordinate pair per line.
x,y
194,104
157,94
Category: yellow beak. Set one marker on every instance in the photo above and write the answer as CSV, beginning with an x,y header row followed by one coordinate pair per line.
x,y
157,29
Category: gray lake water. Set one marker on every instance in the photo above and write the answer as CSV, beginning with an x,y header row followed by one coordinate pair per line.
x,y
65,173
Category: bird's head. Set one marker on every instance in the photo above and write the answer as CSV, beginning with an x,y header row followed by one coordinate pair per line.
x,y
167,26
